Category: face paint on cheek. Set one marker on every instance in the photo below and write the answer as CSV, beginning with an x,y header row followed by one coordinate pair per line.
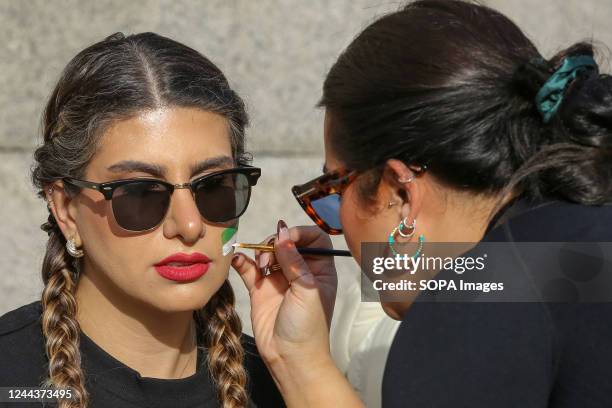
x,y
228,237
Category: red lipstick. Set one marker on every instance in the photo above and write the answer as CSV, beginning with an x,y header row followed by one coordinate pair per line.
x,y
181,267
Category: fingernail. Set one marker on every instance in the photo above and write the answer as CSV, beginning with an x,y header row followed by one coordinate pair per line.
x,y
282,231
280,225
235,258
264,259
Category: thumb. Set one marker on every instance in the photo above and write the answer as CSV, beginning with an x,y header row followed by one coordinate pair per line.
x,y
294,268
247,269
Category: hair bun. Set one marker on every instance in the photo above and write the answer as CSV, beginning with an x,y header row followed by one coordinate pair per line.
x,y
587,111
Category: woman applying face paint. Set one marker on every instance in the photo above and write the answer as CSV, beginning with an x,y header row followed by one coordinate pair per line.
x,y
145,175
445,113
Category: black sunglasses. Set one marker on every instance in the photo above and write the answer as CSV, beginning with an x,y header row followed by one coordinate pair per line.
x,y
141,204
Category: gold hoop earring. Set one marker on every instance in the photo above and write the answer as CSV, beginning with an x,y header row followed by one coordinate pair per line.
x,y
73,250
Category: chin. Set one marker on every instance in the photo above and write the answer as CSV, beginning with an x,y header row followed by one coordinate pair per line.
x,y
354,248
183,297
395,310
177,305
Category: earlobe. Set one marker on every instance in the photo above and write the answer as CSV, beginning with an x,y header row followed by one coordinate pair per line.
x,y
406,207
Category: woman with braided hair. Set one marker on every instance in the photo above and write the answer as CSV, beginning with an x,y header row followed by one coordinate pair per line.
x,y
137,310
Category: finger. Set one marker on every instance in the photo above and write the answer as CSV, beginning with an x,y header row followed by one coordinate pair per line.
x,y
263,259
310,236
314,237
294,268
247,269
272,260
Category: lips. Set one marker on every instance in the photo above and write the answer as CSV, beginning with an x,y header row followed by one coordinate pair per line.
x,y
183,267
196,257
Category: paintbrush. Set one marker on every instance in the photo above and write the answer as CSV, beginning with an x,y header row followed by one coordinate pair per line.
x,y
303,251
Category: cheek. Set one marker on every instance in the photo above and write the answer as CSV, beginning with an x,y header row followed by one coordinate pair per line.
x,y
115,264
218,242
122,259
356,227
212,245
220,239
362,224
101,238
101,244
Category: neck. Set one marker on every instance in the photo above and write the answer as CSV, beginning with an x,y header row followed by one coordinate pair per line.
x,y
155,343
464,218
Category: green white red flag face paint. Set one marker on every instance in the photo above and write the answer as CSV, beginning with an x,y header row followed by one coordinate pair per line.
x,y
228,238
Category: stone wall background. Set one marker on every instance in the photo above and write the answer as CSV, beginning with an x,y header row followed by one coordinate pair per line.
x,y
275,53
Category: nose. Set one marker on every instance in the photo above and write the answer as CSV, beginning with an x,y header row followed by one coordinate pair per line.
x,y
183,218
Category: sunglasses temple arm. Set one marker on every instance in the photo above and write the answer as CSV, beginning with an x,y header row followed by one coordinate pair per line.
x,y
87,184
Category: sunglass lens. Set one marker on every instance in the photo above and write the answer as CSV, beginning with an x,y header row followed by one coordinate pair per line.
x,y
139,206
328,209
223,197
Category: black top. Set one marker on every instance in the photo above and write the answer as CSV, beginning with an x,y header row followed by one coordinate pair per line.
x,y
538,354
110,383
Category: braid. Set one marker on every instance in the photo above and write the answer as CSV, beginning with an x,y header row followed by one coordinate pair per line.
x,y
225,352
59,323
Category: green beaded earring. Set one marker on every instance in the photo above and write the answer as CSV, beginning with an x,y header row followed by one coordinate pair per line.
x,y
399,230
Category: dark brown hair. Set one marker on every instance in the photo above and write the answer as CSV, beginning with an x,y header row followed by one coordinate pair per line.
x,y
111,80
451,84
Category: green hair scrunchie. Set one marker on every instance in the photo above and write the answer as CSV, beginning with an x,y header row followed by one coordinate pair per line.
x,y
549,97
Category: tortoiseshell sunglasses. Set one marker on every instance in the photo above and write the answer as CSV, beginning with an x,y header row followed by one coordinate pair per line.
x,y
320,198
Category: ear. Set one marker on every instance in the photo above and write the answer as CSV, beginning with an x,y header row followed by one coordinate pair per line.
x,y
63,208
406,188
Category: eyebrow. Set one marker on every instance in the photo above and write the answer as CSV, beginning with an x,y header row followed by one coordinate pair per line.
x,y
159,170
